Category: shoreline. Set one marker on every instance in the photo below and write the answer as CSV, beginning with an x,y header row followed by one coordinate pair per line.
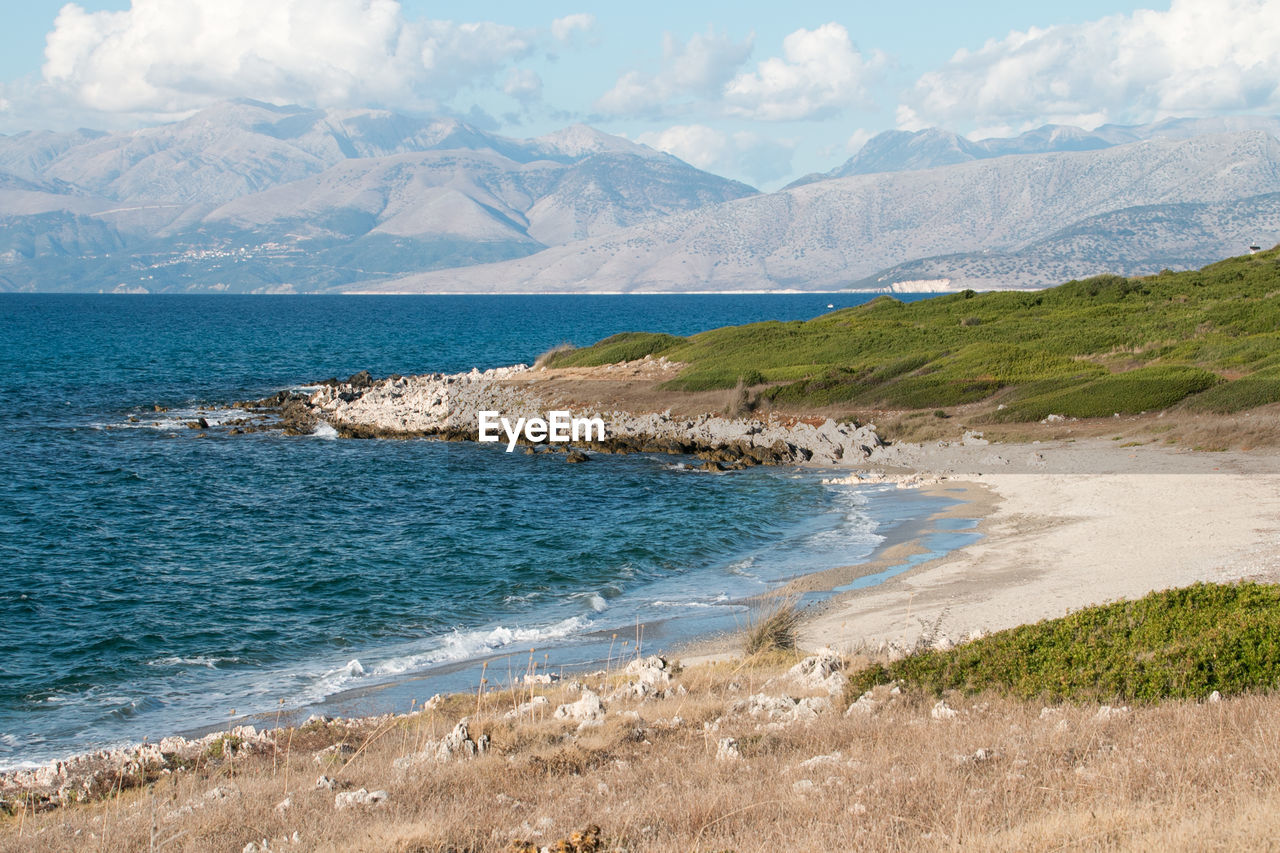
x,y
1099,524
376,701
1060,525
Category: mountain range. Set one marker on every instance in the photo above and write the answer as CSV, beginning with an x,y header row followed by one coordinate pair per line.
x,y
250,197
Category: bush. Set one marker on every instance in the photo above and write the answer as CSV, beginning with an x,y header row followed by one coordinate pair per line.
x,y
1146,389
1260,389
1179,643
773,627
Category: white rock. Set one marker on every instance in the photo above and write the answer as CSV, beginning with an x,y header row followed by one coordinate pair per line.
x,y
588,708
1107,712
362,797
727,750
822,671
830,758
943,711
1215,696
456,744
527,708
540,678
865,704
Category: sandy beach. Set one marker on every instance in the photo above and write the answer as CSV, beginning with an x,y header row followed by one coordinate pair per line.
x,y
1067,525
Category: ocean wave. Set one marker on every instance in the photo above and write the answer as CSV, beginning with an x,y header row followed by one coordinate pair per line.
x,y
207,661
173,418
595,600
462,645
325,431
698,605
333,680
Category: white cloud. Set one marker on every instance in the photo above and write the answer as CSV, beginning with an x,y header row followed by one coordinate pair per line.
x,y
168,56
857,139
1197,57
696,70
564,28
743,155
523,84
820,73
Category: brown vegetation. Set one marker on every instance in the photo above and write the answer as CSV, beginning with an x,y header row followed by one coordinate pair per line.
x,y
999,775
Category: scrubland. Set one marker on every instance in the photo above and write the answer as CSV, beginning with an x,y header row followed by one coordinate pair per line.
x,y
769,752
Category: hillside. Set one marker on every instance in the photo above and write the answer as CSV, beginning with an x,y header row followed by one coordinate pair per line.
x,y
1207,340
248,196
844,233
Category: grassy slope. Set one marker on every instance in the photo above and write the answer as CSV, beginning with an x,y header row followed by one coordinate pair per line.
x,y
1089,348
1179,643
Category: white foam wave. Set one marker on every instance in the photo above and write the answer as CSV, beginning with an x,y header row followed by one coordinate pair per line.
x,y
330,682
324,430
209,662
594,600
461,645
689,604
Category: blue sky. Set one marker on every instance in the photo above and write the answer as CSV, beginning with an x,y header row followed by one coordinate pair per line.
x,y
762,93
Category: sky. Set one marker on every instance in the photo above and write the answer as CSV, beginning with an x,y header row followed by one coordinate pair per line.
x,y
762,93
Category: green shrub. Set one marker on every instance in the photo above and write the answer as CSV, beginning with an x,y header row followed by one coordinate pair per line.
x,y
1258,389
1146,389
1179,643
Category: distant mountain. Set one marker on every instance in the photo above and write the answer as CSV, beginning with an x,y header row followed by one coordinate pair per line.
x,y
249,196
902,151
1132,241
1132,207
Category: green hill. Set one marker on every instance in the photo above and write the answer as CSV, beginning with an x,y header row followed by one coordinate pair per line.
x,y
1209,339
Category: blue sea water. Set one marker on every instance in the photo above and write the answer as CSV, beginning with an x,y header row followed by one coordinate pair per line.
x,y
153,580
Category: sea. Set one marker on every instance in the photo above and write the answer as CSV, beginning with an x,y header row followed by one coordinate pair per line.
x,y
157,579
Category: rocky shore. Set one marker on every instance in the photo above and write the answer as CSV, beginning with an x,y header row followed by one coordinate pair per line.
x,y
447,406
583,705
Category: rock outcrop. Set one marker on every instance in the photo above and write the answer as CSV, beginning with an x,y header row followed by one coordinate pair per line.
x,y
448,406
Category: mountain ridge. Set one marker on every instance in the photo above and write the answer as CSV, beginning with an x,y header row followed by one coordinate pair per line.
x,y
834,234
375,192
903,150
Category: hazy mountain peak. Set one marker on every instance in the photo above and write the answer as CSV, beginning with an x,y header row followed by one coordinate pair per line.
x,y
580,140
904,151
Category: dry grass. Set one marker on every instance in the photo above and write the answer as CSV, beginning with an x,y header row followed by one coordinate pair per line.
x,y
1179,775
773,626
560,348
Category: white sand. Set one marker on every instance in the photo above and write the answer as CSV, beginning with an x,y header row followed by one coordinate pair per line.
x,y
1096,523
